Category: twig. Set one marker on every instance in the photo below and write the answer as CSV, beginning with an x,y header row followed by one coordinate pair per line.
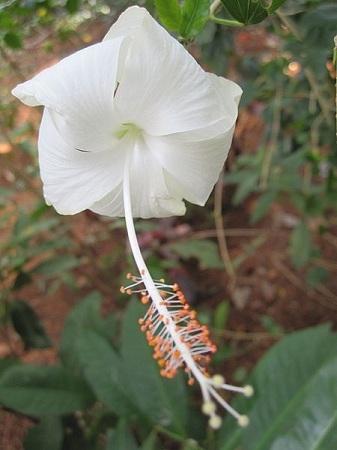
x,y
272,143
327,298
219,225
237,232
244,336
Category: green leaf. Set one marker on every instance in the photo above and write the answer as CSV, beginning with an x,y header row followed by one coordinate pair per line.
x,y
263,204
274,5
247,12
13,40
121,438
84,316
169,13
194,16
54,266
246,187
103,369
316,275
204,250
221,315
300,245
294,405
5,363
73,5
163,400
48,434
43,390
27,324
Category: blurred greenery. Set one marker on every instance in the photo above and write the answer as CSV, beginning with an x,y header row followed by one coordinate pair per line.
x,y
105,391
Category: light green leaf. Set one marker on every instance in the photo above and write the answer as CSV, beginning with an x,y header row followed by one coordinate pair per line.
x,y
169,13
263,204
43,390
300,245
103,369
161,399
56,265
294,405
274,5
48,434
194,16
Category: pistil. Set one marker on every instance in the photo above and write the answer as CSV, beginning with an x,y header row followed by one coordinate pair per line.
x,y
171,326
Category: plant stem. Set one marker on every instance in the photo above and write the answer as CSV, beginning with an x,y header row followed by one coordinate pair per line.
x,y
219,225
214,8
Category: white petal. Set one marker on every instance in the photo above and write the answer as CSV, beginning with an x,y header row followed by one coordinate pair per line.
x,y
193,167
79,91
162,89
151,194
128,23
194,159
74,180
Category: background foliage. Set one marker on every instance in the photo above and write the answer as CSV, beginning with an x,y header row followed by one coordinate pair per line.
x,y
104,391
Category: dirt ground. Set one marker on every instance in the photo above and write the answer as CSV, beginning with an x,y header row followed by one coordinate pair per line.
x,y
265,285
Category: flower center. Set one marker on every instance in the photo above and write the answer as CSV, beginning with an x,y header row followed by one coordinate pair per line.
x,y
128,128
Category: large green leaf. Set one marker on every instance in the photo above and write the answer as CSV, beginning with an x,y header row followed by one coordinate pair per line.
x,y
43,390
103,369
169,13
161,399
121,438
294,405
194,16
84,316
48,434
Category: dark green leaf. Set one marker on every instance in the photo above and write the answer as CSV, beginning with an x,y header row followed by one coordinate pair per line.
x,y
5,363
27,324
300,245
48,434
164,401
294,405
73,5
43,390
121,438
194,16
204,250
103,369
247,12
169,13
13,40
319,26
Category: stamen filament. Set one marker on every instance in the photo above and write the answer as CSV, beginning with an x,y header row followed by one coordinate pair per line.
x,y
171,327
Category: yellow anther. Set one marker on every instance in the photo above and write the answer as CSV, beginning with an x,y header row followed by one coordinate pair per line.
x,y
248,390
243,421
218,381
215,422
